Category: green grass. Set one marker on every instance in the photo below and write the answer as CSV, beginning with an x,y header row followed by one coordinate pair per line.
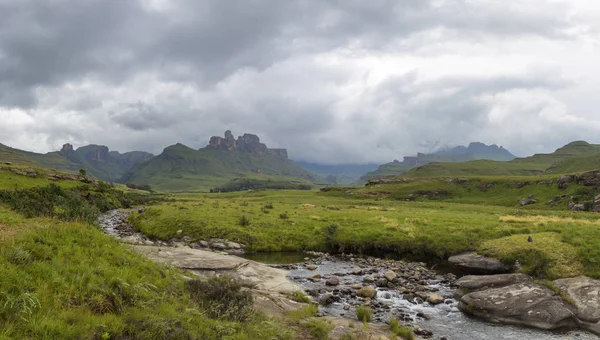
x,y
70,281
401,331
364,314
421,229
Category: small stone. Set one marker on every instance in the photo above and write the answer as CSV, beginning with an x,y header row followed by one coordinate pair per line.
x,y
218,246
356,286
389,275
234,245
334,281
179,232
368,279
316,276
367,292
311,267
357,271
347,307
326,299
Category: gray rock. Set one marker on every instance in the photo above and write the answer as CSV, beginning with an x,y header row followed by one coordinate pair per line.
x,y
234,245
204,244
476,264
585,293
368,279
333,281
527,201
479,282
357,271
311,267
218,246
326,299
525,304
576,207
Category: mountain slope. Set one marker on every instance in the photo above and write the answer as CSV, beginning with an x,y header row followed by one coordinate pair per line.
x,y
181,168
573,157
474,151
95,159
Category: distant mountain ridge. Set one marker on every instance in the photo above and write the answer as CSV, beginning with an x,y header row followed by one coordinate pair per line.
x,y
97,160
461,153
338,173
224,159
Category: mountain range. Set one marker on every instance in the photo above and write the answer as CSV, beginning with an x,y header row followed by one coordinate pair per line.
x,y
474,151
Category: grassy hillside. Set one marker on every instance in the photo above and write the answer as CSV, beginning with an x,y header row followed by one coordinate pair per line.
x,y
180,168
62,278
576,153
111,169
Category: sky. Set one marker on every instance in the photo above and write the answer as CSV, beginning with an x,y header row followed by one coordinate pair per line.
x,y
333,81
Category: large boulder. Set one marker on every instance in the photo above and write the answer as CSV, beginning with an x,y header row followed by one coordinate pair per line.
x,y
584,293
477,264
367,292
472,283
525,304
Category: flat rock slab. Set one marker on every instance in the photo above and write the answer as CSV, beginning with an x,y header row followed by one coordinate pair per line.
x,y
478,264
526,304
478,282
263,277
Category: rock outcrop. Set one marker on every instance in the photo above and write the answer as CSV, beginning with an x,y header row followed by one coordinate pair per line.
x,y
249,143
519,300
474,263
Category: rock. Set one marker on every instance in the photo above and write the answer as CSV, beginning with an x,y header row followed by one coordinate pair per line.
x,y
381,282
204,244
368,279
367,292
435,299
218,246
311,267
389,275
585,293
475,263
334,281
347,307
525,304
316,276
479,282
186,239
357,271
326,299
527,201
576,206
7,163
356,286
234,245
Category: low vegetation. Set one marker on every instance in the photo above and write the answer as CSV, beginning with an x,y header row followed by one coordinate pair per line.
x,y
422,229
401,331
364,314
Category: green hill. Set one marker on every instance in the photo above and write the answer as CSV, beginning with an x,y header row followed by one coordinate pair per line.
x,y
475,151
97,160
574,157
181,168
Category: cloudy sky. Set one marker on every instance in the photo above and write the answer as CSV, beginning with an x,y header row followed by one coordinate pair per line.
x,y
333,81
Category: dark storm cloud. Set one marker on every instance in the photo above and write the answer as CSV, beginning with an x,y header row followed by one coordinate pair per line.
x,y
295,72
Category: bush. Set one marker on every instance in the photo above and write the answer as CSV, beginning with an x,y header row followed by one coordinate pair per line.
x,y
364,314
284,216
269,206
244,221
298,296
221,298
319,329
401,331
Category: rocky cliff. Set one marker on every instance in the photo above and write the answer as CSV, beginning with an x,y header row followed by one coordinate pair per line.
x,y
248,143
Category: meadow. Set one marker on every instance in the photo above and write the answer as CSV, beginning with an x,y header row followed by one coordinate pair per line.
x,y
63,278
565,243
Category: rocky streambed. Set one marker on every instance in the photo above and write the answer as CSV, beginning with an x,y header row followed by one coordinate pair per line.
x,y
432,302
435,304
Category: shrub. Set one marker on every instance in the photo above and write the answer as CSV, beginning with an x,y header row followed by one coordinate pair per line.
x,y
221,298
364,314
284,216
319,329
298,296
269,206
244,221
401,331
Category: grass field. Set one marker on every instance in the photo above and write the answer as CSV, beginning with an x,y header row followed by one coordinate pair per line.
x,y
297,220
61,279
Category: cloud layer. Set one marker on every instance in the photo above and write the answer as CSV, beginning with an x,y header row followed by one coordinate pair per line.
x,y
334,81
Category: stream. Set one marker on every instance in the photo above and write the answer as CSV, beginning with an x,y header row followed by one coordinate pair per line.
x,y
404,301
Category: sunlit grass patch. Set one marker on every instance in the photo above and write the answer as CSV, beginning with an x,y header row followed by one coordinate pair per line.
x,y
562,258
539,220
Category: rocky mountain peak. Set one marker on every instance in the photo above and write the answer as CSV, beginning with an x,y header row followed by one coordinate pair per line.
x,y
247,143
66,148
